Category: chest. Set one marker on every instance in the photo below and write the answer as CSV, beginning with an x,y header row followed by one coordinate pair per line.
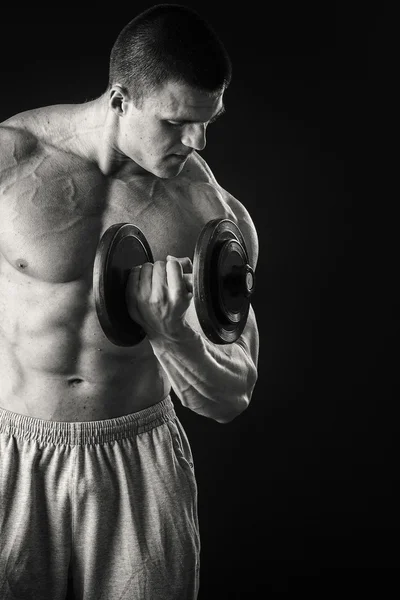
x,y
51,223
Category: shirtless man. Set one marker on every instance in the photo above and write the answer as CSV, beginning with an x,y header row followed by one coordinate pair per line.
x,y
97,486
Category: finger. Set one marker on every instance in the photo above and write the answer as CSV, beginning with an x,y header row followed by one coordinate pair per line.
x,y
133,279
187,268
185,262
159,280
176,284
131,292
145,282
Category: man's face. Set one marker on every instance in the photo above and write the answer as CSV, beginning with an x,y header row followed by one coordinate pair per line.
x,y
171,123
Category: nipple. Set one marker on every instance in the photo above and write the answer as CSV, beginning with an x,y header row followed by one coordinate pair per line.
x,y
21,264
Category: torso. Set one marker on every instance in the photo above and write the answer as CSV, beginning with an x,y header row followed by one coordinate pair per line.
x,y
55,361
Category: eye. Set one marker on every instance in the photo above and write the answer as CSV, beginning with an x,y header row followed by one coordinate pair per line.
x,y
175,123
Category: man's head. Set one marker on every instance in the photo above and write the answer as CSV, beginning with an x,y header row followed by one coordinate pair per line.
x,y
168,42
168,73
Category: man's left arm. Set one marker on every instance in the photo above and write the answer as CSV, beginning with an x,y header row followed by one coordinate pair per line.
x,y
216,381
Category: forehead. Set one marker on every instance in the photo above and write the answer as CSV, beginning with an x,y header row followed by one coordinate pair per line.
x,y
180,100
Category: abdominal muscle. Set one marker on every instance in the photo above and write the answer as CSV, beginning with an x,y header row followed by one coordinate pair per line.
x,y
58,365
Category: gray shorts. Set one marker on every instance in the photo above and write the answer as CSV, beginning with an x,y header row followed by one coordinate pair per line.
x,y
108,506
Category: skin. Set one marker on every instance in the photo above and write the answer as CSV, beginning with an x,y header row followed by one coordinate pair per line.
x,y
67,173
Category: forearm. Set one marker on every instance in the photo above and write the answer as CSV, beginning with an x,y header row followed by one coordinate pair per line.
x,y
213,381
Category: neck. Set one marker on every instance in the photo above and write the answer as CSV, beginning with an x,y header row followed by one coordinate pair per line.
x,y
96,130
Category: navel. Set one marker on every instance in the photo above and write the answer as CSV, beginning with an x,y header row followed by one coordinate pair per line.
x,y
74,381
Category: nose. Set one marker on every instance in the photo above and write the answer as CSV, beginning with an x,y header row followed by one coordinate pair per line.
x,y
194,136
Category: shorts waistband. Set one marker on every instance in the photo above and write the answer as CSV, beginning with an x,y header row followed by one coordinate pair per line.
x,y
86,432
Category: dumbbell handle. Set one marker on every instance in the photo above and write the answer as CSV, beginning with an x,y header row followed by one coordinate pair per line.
x,y
242,278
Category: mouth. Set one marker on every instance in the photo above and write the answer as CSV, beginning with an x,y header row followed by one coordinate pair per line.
x,y
176,158
180,156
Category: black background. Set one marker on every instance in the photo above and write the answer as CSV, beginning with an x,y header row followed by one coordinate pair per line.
x,y
299,493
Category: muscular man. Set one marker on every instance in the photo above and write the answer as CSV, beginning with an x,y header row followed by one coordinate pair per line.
x,y
97,484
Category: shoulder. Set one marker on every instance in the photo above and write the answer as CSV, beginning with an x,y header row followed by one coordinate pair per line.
x,y
201,172
28,133
16,144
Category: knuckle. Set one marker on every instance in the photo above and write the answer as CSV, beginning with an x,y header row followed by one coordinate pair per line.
x,y
155,303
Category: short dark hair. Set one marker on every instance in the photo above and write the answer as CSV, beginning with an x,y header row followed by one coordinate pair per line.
x,y
169,42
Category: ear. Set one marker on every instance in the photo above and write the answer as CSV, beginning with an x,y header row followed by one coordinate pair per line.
x,y
118,100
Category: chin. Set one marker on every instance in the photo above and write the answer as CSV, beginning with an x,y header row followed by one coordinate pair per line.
x,y
168,172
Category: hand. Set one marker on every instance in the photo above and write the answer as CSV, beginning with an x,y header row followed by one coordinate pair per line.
x,y
158,296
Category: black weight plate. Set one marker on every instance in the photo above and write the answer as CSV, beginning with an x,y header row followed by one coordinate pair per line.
x,y
235,282
223,281
122,247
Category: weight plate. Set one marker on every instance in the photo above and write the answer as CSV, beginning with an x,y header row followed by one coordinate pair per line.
x,y
223,281
122,247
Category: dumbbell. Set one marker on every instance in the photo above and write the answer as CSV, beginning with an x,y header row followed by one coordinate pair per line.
x,y
223,281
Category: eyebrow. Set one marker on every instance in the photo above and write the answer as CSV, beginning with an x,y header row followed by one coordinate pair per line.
x,y
214,118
